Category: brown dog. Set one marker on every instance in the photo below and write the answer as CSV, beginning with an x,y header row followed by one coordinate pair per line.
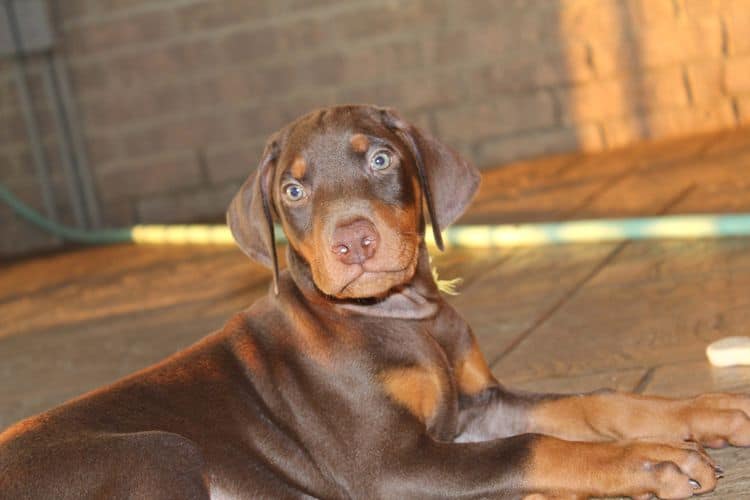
x,y
353,378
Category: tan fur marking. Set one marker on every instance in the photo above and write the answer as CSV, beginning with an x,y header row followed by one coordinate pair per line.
x,y
418,389
299,167
472,373
607,416
360,143
615,468
557,466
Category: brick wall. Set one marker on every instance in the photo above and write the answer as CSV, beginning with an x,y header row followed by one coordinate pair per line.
x,y
177,97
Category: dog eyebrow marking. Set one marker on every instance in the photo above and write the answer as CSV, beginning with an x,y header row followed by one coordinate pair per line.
x,y
416,388
299,167
360,143
472,373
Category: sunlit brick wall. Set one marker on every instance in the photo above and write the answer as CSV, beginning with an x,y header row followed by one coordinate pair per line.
x,y
178,96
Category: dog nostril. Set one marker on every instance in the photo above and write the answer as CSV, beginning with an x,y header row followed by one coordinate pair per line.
x,y
354,242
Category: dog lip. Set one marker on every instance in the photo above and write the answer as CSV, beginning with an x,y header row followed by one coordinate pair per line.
x,y
364,271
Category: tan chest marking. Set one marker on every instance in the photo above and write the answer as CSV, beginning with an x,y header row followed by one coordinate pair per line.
x,y
472,373
419,389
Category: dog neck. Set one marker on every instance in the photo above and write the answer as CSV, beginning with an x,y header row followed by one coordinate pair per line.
x,y
415,300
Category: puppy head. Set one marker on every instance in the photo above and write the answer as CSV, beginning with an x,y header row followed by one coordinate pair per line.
x,y
348,185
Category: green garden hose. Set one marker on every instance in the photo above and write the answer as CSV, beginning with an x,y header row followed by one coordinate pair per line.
x,y
461,236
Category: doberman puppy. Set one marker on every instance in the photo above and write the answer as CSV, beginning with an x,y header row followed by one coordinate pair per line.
x,y
353,378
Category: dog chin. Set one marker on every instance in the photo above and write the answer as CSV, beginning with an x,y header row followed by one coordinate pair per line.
x,y
374,284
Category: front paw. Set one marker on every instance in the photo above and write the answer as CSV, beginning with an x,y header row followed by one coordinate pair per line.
x,y
675,470
567,469
715,420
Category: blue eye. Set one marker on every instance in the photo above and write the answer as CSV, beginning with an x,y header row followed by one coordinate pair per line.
x,y
380,160
294,192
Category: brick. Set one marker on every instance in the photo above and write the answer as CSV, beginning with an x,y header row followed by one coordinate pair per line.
x,y
380,19
102,149
163,63
303,34
37,89
110,6
262,119
233,161
610,17
551,66
612,98
485,10
653,46
118,213
325,70
45,120
72,9
706,80
159,82
93,38
12,127
148,176
700,8
423,121
491,118
9,167
199,205
737,27
517,36
737,75
419,92
249,45
20,238
8,95
89,77
299,5
237,85
210,14
178,134
377,63
645,12
743,109
540,142
669,123
137,104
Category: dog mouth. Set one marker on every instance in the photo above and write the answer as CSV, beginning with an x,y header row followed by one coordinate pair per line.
x,y
362,273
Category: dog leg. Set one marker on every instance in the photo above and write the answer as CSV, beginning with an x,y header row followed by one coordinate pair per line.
x,y
550,467
714,420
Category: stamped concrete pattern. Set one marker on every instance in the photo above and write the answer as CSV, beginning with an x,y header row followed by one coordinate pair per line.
x,y
629,315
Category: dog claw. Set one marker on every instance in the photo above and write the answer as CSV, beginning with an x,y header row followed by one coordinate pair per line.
x,y
718,471
695,484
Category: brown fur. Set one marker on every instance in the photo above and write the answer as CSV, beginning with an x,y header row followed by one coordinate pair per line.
x,y
419,389
354,378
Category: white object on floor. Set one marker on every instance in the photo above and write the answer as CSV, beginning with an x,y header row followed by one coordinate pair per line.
x,y
729,351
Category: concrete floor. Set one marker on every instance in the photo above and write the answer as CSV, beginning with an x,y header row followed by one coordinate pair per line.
x,y
635,316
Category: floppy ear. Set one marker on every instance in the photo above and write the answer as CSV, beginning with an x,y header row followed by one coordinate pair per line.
x,y
448,181
250,218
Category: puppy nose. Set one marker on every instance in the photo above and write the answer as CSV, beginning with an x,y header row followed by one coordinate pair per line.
x,y
355,242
